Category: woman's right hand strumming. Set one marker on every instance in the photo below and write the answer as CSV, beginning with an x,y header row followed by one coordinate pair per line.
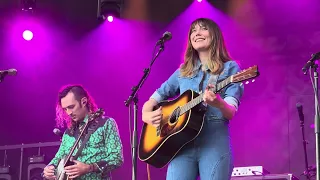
x,y
149,116
48,172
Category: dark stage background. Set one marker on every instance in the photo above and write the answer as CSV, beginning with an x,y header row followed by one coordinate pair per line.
x,y
71,46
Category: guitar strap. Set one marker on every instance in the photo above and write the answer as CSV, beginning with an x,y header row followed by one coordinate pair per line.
x,y
201,82
92,127
212,80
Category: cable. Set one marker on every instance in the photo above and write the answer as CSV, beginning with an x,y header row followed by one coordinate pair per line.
x,y
148,172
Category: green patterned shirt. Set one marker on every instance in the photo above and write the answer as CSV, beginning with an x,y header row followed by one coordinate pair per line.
x,y
104,147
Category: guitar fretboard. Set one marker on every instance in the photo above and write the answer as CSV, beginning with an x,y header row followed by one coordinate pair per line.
x,y
199,99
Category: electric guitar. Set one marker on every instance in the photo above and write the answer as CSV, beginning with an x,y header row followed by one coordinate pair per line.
x,y
66,161
181,123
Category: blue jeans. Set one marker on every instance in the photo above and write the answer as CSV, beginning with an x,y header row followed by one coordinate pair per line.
x,y
209,155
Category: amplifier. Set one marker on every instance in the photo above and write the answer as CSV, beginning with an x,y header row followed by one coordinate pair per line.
x,y
249,171
268,176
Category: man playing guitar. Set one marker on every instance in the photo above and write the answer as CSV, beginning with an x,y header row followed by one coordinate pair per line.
x,y
102,152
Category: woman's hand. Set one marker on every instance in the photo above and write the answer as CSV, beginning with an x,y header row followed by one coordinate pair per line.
x,y
211,98
152,117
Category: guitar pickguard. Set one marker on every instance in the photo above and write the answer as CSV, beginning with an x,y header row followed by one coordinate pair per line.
x,y
166,130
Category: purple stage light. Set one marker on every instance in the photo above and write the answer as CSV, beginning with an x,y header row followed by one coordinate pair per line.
x,y
110,18
27,35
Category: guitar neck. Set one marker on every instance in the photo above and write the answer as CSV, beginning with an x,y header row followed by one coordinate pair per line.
x,y
75,144
194,102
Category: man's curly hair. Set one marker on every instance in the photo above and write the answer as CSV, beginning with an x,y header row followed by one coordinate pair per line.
x,y
79,92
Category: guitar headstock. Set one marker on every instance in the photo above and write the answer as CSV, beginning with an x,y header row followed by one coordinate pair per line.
x,y
96,114
246,74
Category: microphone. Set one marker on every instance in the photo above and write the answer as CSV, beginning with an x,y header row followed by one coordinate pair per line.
x,y
10,72
57,132
301,115
314,57
165,37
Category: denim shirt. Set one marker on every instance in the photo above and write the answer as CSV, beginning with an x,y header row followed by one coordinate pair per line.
x,y
177,84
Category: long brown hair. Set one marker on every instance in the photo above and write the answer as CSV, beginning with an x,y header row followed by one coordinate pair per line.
x,y
79,92
218,50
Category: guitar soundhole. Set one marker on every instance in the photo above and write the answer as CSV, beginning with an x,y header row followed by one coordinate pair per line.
x,y
167,128
174,116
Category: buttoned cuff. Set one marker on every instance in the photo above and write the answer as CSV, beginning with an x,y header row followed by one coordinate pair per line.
x,y
156,96
101,165
232,101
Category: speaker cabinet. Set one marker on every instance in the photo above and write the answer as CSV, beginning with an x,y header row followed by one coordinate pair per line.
x,y
5,177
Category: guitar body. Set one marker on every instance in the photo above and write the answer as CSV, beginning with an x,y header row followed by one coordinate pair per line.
x,y
60,174
158,149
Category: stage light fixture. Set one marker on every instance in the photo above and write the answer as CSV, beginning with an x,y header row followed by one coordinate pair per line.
x,y
28,5
109,9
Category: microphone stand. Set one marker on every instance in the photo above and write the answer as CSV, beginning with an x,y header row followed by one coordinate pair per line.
x,y
307,171
134,98
1,77
316,118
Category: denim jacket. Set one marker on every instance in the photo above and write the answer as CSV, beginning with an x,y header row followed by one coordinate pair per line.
x,y
176,84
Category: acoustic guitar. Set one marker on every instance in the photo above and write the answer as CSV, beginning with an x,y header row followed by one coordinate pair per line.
x,y
67,161
181,122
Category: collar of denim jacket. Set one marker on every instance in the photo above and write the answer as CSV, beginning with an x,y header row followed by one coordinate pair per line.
x,y
198,66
